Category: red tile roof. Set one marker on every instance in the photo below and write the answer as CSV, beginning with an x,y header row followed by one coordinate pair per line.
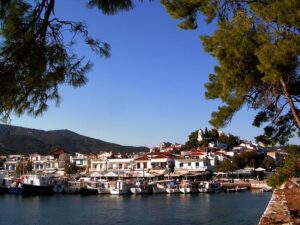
x,y
142,158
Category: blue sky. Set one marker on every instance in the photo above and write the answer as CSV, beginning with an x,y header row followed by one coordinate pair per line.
x,y
150,90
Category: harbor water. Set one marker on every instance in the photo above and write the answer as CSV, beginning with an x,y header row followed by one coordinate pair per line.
x,y
240,208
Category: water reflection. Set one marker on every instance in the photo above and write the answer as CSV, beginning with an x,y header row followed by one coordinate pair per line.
x,y
222,208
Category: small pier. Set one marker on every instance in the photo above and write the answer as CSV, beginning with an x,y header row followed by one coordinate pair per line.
x,y
244,184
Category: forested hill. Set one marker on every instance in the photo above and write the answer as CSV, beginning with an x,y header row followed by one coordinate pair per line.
x,y
15,139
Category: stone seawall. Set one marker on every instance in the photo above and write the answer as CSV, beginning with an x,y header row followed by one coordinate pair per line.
x,y
284,206
277,211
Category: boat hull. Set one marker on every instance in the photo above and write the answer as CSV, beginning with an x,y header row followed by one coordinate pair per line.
x,y
139,191
88,191
29,189
172,191
3,190
159,190
103,191
187,190
16,190
71,190
116,191
58,188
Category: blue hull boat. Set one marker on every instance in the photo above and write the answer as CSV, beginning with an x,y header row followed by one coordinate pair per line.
x,y
16,190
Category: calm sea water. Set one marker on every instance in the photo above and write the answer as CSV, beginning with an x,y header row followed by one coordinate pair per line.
x,y
202,209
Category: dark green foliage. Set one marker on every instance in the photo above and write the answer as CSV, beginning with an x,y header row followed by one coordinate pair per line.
x,y
226,166
23,167
250,159
210,136
290,167
111,7
257,44
192,142
36,57
71,168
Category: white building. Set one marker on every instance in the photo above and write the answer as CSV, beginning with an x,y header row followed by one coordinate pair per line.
x,y
192,164
79,159
10,164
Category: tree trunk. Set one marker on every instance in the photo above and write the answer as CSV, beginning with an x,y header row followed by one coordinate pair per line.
x,y
292,105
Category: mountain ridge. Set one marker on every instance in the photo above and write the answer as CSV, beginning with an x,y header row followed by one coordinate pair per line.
x,y
16,139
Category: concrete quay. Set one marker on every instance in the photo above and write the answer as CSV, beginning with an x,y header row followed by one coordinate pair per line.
x,y
248,184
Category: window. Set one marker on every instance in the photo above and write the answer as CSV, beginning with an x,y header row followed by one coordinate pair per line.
x,y
120,166
138,165
145,165
181,165
197,164
189,164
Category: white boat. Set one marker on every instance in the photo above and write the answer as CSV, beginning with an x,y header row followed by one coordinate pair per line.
x,y
160,186
37,184
104,187
120,187
5,182
236,189
209,187
141,188
266,189
187,187
173,189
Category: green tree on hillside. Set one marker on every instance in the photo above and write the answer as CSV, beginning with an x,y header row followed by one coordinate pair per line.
x,y
257,45
193,141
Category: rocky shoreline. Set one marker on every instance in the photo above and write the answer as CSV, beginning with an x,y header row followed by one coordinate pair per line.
x,y
284,206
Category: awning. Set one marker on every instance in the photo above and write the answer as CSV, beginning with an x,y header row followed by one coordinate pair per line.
x,y
259,169
96,174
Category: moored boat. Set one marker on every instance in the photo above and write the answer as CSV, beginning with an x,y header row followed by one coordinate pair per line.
x,y
236,189
120,187
160,186
187,187
37,185
90,187
141,187
16,187
58,186
266,189
72,187
104,187
209,187
5,182
173,189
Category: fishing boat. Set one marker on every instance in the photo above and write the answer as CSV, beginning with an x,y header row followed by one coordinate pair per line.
x,y
120,187
37,185
5,182
72,187
90,188
16,187
236,189
187,187
141,187
209,187
104,187
160,186
173,189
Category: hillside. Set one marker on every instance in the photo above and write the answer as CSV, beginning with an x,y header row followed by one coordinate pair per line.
x,y
15,139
